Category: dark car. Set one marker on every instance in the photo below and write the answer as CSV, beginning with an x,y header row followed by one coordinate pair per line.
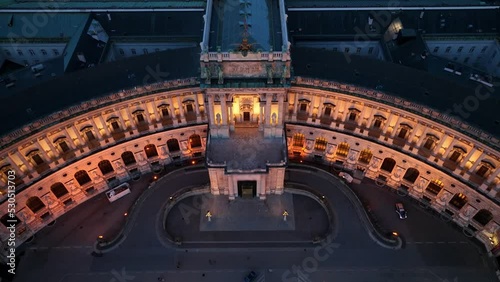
x,y
251,276
401,210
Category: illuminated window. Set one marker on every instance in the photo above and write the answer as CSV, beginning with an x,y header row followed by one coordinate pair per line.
x,y
457,154
151,151
298,140
430,142
434,187
484,169
195,141
35,157
365,156
320,144
458,201
173,145
342,149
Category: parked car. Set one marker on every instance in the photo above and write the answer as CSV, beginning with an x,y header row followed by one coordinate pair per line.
x,y
251,276
400,210
346,176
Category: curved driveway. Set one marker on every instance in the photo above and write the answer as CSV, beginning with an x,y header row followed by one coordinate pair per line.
x,y
355,257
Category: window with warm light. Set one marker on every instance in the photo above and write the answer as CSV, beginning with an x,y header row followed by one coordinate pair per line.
x,y
458,201
434,187
365,156
320,144
298,140
342,149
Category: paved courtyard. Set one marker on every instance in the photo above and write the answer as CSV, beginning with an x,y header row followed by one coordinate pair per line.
x,y
247,220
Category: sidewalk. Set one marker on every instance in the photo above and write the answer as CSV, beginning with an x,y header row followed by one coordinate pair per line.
x,y
250,221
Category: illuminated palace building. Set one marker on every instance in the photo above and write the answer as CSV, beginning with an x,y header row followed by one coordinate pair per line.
x,y
94,96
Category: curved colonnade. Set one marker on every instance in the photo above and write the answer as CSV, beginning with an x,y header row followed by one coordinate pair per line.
x,y
106,141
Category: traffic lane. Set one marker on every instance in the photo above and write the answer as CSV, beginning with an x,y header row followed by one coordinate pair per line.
x,y
346,219
436,241
419,226
143,233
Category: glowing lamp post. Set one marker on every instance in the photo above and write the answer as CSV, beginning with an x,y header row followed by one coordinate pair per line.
x,y
209,216
285,214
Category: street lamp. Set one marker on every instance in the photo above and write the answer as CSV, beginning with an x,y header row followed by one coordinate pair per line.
x,y
209,216
285,214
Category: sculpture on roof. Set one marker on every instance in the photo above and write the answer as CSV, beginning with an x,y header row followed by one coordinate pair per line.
x,y
220,75
269,71
208,75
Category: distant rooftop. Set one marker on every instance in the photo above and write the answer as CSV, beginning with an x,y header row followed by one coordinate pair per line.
x,y
383,3
102,4
61,92
247,149
439,92
257,20
347,24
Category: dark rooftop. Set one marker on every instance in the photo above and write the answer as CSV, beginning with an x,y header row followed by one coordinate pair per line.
x,y
378,3
176,25
71,89
341,24
438,92
246,149
261,18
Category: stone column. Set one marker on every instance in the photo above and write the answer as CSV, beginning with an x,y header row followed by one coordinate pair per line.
x,y
96,129
475,165
23,160
181,109
424,135
296,104
396,127
131,120
104,126
269,98
494,175
467,157
172,111
120,117
197,107
211,113
447,152
51,146
413,132
371,116
78,135
71,143
280,110
388,122
224,109
44,154
155,111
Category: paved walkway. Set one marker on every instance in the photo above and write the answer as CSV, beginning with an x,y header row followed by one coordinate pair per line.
x,y
248,214
247,221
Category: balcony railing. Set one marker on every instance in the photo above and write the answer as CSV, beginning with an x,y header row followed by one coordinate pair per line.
x,y
424,152
350,125
93,144
190,117
142,126
474,178
302,116
41,168
69,155
118,135
400,142
167,121
449,164
326,120
375,132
